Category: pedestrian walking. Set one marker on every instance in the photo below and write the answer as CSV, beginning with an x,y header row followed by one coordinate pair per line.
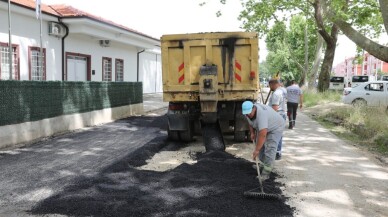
x,y
266,128
277,102
294,98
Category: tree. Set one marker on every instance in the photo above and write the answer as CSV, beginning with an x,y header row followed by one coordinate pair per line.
x,y
365,20
330,37
302,39
286,52
264,70
259,14
359,20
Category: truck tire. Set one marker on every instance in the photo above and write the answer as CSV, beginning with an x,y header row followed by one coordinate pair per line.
x,y
187,135
173,135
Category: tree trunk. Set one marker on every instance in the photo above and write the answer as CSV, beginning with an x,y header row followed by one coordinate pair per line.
x,y
384,13
331,43
324,75
377,50
317,61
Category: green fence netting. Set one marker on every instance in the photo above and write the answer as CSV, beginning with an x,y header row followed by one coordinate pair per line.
x,y
23,101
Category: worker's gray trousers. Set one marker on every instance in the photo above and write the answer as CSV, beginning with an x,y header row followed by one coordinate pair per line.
x,y
268,152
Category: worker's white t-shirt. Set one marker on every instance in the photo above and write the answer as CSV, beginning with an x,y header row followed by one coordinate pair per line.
x,y
293,93
278,99
266,118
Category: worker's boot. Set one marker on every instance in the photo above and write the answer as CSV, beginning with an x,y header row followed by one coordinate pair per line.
x,y
261,167
267,169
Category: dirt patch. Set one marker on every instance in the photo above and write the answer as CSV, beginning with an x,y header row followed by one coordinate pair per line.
x,y
321,113
213,186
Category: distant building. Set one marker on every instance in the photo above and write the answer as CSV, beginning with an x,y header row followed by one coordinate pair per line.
x,y
77,46
370,66
374,66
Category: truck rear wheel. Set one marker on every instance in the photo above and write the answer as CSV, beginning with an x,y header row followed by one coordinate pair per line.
x,y
187,135
173,135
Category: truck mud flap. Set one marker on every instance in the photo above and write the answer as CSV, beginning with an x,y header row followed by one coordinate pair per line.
x,y
212,137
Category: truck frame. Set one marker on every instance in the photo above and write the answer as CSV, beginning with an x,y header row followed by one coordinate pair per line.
x,y
206,77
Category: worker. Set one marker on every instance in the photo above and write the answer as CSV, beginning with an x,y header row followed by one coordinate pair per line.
x,y
295,98
278,103
266,128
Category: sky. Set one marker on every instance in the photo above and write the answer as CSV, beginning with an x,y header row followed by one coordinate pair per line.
x,y
159,17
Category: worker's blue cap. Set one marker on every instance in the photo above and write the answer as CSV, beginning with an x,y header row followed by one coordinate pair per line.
x,y
247,107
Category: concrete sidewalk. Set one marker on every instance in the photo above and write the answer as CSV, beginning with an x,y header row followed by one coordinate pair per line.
x,y
153,101
325,176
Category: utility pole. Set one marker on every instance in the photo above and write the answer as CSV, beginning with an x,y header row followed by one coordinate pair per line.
x,y
10,51
41,43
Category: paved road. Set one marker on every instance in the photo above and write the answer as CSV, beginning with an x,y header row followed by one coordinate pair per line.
x,y
31,174
325,176
153,102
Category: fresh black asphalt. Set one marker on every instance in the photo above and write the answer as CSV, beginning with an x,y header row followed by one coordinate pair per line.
x,y
93,173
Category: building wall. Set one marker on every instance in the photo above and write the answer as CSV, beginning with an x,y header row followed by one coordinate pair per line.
x,y
373,66
385,68
86,45
150,72
26,32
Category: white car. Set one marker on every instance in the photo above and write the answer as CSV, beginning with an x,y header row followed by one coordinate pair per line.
x,y
372,93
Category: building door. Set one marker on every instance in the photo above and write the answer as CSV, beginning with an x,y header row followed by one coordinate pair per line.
x,y
76,68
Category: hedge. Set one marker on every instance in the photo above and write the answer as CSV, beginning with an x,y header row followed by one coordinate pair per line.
x,y
24,101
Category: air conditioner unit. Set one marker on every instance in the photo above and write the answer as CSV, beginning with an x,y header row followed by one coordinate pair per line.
x,y
105,43
56,29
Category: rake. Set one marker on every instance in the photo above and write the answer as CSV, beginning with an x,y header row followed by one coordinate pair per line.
x,y
261,195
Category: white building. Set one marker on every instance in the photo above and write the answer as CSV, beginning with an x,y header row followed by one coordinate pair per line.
x,y
77,46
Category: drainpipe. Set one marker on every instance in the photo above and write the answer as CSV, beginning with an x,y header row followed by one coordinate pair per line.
x,y
63,47
138,54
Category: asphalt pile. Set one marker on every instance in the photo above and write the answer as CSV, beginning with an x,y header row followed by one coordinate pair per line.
x,y
213,186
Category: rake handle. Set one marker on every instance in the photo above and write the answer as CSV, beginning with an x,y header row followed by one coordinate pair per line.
x,y
258,175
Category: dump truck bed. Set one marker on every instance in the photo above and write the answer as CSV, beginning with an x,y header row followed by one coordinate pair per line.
x,y
235,55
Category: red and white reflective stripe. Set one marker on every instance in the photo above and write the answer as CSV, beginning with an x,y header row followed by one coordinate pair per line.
x,y
181,73
238,70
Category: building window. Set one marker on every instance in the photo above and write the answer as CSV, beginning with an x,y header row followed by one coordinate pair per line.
x,y
4,59
37,64
106,69
119,70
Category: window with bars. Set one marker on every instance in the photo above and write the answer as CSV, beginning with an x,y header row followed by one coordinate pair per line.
x,y
37,64
119,70
106,69
4,59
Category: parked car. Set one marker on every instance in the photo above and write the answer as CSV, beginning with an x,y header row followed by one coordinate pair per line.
x,y
372,93
337,83
359,79
384,78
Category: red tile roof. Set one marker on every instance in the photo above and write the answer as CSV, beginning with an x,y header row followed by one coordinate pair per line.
x,y
66,11
31,5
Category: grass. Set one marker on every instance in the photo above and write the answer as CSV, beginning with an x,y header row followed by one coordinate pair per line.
x,y
312,97
366,126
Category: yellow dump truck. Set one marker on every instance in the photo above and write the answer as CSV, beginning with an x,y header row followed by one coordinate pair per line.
x,y
206,77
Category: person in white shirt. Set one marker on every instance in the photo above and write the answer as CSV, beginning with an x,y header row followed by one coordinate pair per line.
x,y
277,102
294,98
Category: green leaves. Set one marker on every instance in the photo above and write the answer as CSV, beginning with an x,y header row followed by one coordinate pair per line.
x,y
286,48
